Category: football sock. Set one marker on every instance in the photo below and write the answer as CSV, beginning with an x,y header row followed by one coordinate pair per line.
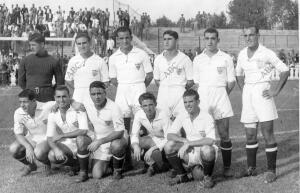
x,y
226,149
68,161
208,167
251,150
23,160
176,163
83,159
271,151
118,162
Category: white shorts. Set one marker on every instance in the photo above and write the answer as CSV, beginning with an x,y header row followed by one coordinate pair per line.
x,y
71,144
195,158
169,99
256,108
80,94
127,97
159,142
36,139
215,100
103,152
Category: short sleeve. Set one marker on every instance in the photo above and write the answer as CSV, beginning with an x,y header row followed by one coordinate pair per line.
x,y
188,65
70,71
19,127
51,125
276,62
156,73
239,70
210,127
82,120
104,71
117,119
146,63
230,70
112,68
196,70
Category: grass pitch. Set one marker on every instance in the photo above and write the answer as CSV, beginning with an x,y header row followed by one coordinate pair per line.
x,y
287,136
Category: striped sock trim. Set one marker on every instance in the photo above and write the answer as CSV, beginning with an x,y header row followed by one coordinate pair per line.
x,y
271,149
252,146
118,158
21,159
223,148
83,156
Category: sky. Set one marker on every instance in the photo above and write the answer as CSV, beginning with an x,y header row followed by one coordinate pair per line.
x,y
155,8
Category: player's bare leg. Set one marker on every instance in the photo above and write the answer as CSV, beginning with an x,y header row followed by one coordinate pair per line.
x,y
99,168
271,150
83,154
225,145
118,149
208,157
171,149
18,152
156,164
41,153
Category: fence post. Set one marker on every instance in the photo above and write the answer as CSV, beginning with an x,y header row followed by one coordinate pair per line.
x,y
158,42
199,42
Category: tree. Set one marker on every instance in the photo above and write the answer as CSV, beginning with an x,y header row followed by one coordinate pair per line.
x,y
247,12
285,13
164,22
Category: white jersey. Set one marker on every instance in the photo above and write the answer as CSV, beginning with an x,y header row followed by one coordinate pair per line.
x,y
74,120
33,127
85,71
157,128
213,71
106,120
260,66
174,72
130,68
202,126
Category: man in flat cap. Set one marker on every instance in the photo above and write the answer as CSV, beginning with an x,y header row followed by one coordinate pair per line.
x,y
37,69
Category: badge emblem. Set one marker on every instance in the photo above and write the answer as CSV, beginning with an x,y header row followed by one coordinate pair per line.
x,y
95,72
220,69
179,70
138,66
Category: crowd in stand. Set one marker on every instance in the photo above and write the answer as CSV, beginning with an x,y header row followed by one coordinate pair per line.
x,y
141,28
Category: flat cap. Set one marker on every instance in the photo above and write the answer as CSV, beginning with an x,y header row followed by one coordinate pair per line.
x,y
36,37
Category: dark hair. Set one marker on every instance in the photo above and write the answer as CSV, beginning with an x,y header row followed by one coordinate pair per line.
x,y
27,93
97,84
123,29
211,31
191,92
172,33
254,26
61,88
82,34
147,96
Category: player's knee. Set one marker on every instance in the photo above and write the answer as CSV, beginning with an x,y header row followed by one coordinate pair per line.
x,y
97,174
170,147
15,150
51,157
207,153
82,142
118,147
40,153
197,173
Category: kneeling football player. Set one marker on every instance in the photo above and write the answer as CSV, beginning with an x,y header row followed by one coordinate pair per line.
x,y
111,139
155,123
30,132
197,151
67,134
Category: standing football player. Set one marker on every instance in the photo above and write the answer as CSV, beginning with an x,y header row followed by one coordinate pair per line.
x,y
254,69
215,76
130,71
173,73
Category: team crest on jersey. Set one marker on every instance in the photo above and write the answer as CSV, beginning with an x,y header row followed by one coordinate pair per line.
x,y
202,133
179,70
260,64
138,66
95,72
220,69
108,123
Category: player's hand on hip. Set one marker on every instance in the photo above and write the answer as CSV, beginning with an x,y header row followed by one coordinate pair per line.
x,y
268,94
30,154
94,145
